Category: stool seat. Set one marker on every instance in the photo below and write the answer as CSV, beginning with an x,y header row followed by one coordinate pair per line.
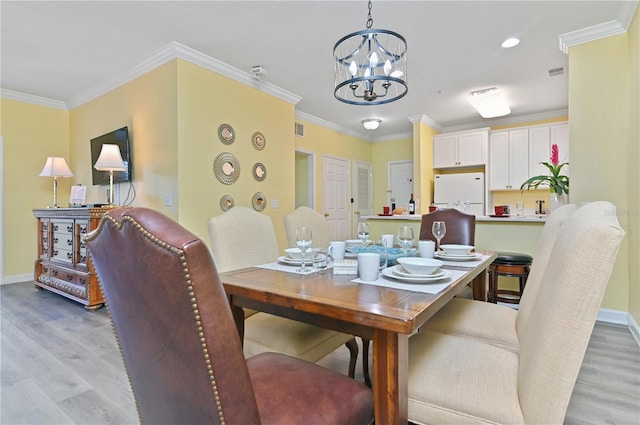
x,y
512,264
514,258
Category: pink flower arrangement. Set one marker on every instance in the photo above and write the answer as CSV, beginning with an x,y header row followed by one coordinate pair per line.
x,y
558,183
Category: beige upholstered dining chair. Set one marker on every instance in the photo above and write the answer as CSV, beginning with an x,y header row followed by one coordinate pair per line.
x,y
242,237
496,324
457,379
179,341
309,217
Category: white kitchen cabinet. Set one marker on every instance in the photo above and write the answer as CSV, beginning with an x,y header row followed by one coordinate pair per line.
x,y
508,159
460,149
539,150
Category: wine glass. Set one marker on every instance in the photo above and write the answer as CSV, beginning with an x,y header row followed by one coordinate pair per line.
x,y
303,241
439,229
405,238
364,230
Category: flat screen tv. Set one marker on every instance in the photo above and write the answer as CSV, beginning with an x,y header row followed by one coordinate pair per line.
x,y
118,137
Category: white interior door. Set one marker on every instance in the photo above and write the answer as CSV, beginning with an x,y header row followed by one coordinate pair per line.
x,y
401,183
362,189
335,196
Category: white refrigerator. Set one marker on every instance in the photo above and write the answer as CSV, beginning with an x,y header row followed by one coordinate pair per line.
x,y
449,189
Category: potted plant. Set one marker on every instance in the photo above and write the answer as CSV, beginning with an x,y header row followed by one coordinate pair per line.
x,y
558,183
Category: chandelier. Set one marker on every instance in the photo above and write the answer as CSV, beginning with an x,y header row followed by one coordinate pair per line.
x,y
370,66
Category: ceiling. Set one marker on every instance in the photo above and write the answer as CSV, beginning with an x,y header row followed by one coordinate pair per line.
x,y
64,51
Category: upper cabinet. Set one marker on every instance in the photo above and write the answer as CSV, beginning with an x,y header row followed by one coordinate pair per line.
x,y
460,149
516,154
509,159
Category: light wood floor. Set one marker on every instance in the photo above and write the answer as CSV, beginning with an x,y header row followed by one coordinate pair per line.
x,y
60,365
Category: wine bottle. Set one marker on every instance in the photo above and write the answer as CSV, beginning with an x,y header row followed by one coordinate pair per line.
x,y
412,205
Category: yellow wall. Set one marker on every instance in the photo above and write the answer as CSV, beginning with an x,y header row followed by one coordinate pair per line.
x,y
207,100
147,105
302,180
600,142
31,134
633,194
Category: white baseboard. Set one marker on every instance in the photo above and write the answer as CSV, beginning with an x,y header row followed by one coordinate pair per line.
x,y
6,280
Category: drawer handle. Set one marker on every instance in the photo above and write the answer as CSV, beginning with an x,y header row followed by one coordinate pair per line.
x,y
55,273
69,242
55,240
55,252
69,255
69,277
83,258
55,227
69,229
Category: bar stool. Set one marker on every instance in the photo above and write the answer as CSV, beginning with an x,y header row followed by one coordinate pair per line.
x,y
512,264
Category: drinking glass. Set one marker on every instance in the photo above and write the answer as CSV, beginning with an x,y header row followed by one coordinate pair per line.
x,y
303,240
364,230
405,238
439,229
519,208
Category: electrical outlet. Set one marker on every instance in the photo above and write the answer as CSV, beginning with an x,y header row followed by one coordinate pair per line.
x,y
274,203
168,200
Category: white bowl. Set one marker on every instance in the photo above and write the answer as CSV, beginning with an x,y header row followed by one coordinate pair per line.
x,y
419,265
296,254
350,243
451,249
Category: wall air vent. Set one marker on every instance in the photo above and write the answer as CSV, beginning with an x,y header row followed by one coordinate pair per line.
x,y
299,129
556,71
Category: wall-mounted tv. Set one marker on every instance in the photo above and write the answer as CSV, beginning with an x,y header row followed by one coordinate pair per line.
x,y
118,137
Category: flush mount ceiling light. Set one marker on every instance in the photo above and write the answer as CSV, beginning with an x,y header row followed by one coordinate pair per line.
x,y
371,123
510,42
370,66
490,103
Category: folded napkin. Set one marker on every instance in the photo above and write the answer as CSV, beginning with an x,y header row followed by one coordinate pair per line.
x,y
287,268
427,288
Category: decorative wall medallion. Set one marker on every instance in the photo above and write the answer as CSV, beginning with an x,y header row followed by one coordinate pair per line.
x,y
226,168
259,171
226,202
259,201
226,134
258,141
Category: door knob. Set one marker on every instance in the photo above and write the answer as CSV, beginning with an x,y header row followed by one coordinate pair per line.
x,y
326,214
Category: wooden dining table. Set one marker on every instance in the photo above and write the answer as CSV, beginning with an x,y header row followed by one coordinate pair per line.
x,y
386,316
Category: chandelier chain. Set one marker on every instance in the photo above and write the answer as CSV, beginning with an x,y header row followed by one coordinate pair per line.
x,y
369,18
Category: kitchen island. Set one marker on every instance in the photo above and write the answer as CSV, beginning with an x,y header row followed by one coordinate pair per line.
x,y
513,233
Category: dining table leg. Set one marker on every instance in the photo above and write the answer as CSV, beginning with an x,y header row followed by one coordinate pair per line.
x,y
390,380
479,286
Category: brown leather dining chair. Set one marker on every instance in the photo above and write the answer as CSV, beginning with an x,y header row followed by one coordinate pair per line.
x,y
180,344
461,227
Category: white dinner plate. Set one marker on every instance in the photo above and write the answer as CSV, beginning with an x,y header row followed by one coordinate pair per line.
x,y
390,272
402,272
466,257
293,261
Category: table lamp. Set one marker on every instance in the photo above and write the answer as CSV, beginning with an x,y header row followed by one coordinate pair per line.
x,y
110,160
56,166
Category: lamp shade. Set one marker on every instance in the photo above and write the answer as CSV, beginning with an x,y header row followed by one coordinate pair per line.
x,y
110,159
56,166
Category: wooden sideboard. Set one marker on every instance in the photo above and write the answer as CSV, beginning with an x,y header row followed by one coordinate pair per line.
x,y
63,265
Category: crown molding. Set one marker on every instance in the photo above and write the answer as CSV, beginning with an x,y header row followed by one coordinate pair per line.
x,y
586,35
175,50
424,119
330,125
508,121
36,100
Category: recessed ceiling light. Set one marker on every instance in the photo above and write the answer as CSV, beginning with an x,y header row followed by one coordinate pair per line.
x,y
510,42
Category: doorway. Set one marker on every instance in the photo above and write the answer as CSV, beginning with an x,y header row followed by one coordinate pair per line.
x,y
400,183
305,179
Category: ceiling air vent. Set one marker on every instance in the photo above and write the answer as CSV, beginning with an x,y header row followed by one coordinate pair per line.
x,y
299,129
556,71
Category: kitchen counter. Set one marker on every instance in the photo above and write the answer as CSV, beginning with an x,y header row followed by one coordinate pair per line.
x,y
510,219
